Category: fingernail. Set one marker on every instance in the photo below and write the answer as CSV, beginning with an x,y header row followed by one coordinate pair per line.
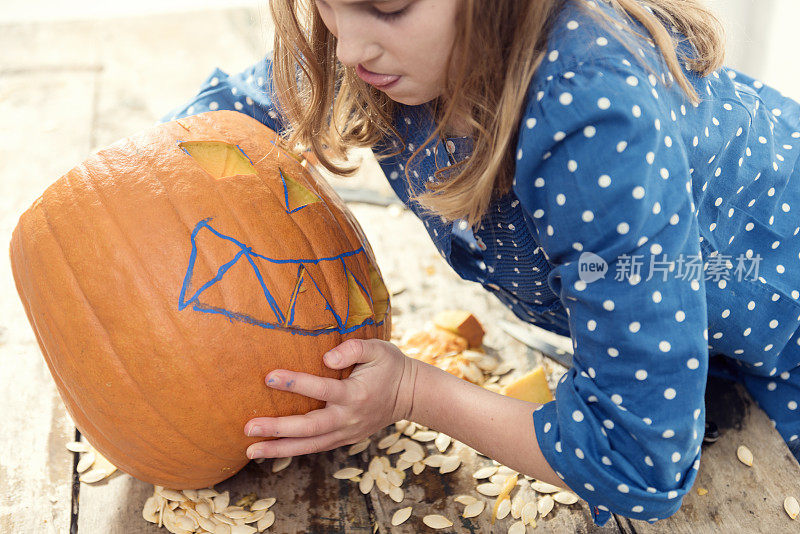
x,y
332,358
254,431
274,380
249,453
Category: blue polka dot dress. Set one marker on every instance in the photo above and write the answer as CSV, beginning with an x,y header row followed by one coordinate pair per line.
x,y
654,232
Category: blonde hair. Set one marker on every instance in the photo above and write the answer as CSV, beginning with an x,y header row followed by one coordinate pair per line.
x,y
330,109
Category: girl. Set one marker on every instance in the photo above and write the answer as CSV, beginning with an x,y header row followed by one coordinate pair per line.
x,y
594,165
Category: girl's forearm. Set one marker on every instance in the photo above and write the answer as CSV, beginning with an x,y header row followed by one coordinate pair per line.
x,y
495,425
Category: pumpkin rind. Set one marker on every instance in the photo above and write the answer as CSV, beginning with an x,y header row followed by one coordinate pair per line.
x,y
160,365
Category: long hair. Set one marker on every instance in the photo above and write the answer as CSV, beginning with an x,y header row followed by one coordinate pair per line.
x,y
329,109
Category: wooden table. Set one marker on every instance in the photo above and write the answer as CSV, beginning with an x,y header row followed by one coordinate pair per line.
x,y
70,87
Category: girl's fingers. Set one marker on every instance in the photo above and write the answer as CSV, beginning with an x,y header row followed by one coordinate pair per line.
x,y
354,351
316,387
284,447
314,423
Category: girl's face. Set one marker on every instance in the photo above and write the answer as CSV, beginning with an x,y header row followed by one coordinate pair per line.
x,y
408,40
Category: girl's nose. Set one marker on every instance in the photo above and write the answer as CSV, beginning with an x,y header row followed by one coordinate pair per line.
x,y
353,43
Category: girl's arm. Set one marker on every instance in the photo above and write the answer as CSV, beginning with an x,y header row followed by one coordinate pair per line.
x,y
497,426
604,180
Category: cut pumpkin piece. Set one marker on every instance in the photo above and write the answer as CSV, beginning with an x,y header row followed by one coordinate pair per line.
x,y
295,195
463,323
219,159
380,295
358,308
531,388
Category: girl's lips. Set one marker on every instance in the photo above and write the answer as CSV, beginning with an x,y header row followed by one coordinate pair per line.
x,y
375,79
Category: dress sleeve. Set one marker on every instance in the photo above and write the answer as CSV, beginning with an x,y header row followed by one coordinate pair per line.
x,y
249,92
604,181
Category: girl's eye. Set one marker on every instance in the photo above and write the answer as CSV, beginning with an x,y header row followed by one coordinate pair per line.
x,y
389,16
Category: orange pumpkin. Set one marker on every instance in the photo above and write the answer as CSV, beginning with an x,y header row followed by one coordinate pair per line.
x,y
167,274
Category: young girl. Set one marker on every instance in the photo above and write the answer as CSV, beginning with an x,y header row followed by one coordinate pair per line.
x,y
592,164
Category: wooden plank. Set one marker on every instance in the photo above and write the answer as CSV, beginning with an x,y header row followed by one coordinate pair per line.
x,y
36,111
309,499
740,498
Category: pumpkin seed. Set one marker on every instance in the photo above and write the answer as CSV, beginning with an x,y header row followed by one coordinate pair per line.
x,y
86,461
375,467
418,467
412,456
395,476
266,521
399,445
565,497
383,483
519,500
544,487
529,512
503,470
396,494
442,442
262,504
503,508
207,524
474,509
401,425
465,499
450,464
544,505
401,515
745,455
424,435
78,446
221,502
361,446
403,464
347,472
434,460
243,529
389,440
223,519
170,494
237,514
517,527
485,472
150,509
366,483
279,464
410,429
94,475
437,521
489,489
498,479
791,506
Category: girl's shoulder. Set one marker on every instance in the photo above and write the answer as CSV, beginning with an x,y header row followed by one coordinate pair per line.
x,y
579,34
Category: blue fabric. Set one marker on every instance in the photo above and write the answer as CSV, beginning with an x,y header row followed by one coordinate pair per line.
x,y
615,166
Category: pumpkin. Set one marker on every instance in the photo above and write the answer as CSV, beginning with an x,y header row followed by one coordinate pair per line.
x,y
170,272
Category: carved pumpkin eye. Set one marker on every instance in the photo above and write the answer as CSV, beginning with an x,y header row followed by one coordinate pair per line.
x,y
220,160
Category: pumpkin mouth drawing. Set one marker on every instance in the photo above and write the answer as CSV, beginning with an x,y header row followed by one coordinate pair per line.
x,y
361,309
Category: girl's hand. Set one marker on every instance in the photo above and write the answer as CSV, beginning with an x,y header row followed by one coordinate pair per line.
x,y
378,392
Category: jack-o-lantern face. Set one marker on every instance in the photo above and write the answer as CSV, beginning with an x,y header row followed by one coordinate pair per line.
x,y
166,275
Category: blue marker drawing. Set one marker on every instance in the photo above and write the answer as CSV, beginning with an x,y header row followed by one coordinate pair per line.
x,y
281,321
